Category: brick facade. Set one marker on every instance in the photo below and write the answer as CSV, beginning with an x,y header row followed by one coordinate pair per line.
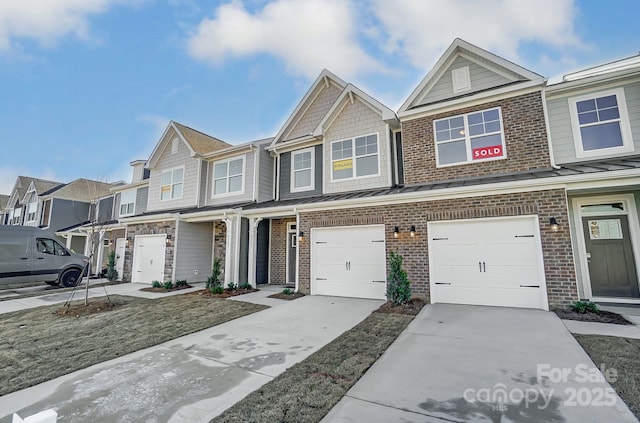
x,y
278,246
112,236
525,140
167,227
220,244
556,246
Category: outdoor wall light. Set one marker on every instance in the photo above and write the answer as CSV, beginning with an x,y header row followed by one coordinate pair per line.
x,y
168,238
396,232
554,224
301,236
412,231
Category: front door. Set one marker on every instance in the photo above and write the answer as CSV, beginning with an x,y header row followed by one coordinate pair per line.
x,y
612,269
121,243
292,253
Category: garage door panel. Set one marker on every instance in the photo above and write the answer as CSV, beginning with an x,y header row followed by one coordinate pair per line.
x,y
503,297
352,289
148,258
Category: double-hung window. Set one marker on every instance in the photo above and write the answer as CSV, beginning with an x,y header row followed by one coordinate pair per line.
x,y
302,177
32,208
469,138
127,202
228,177
355,157
600,123
16,215
171,188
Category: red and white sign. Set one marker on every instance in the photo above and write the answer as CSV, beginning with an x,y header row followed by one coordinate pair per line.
x,y
487,152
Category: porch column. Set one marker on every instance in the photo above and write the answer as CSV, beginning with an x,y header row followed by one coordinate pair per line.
x,y
253,247
228,266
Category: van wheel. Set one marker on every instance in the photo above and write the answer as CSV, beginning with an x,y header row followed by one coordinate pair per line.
x,y
52,283
70,278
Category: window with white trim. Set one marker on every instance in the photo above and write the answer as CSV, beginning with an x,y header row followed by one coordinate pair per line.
x,y
302,177
127,202
355,157
32,208
600,123
15,216
171,185
228,177
468,138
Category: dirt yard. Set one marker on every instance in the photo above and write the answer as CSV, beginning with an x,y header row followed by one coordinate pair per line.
x,y
38,344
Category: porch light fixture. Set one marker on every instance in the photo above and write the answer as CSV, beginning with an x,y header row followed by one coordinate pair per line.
x,y
555,227
168,238
412,231
300,236
396,232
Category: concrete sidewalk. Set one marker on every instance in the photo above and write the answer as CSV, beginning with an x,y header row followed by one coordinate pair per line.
x,y
459,363
196,377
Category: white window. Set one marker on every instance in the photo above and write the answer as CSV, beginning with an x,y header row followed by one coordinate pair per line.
x,y
171,188
127,202
174,146
15,216
228,177
32,208
302,177
472,137
600,123
355,157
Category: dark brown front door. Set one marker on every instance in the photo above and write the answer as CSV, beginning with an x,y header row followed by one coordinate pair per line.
x,y
612,268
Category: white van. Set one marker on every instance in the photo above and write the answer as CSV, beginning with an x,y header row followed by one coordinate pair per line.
x,y
30,254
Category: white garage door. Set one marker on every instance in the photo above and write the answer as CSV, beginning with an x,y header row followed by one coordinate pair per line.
x,y
495,262
349,262
148,258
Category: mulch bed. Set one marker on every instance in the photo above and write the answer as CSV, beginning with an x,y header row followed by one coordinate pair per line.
x,y
412,308
161,289
225,294
77,310
288,297
599,317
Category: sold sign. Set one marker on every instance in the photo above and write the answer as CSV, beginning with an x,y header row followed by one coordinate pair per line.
x,y
487,152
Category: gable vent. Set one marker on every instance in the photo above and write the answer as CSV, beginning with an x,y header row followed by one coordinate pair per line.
x,y
461,79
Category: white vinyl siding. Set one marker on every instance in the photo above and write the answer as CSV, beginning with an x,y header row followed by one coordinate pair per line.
x,y
172,182
472,137
313,113
32,208
228,177
302,170
127,203
600,123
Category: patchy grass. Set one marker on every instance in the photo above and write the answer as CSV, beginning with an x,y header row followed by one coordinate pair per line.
x,y
308,390
37,345
622,354
162,290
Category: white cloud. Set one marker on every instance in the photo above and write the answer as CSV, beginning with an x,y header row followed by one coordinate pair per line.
x,y
421,30
46,21
307,35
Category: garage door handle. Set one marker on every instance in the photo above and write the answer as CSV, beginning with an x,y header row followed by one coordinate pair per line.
x,y
484,267
529,286
439,239
321,242
480,266
443,283
380,240
524,236
379,281
321,279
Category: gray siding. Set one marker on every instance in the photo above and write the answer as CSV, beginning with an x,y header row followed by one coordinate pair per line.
x,y
248,183
481,79
285,176
243,260
105,209
65,213
193,249
116,209
204,167
170,161
561,130
265,176
142,196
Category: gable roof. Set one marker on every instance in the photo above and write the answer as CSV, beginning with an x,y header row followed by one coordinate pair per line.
x,y
197,142
484,58
350,92
325,78
81,189
4,200
21,187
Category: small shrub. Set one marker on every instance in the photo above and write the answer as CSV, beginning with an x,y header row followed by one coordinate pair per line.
x,y
156,284
232,286
287,291
216,290
168,285
585,306
246,286
213,281
398,286
181,282
111,274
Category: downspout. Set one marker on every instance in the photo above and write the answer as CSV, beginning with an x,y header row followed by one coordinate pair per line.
x,y
276,175
297,285
546,124
256,171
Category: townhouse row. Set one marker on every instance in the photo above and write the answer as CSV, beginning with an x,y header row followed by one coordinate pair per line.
x,y
496,187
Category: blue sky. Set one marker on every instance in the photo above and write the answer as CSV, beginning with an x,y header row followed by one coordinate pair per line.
x,y
86,86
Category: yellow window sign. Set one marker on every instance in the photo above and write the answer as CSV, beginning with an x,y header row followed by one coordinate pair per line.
x,y
343,164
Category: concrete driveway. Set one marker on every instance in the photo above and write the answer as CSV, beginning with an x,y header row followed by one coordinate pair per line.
x,y
196,377
458,363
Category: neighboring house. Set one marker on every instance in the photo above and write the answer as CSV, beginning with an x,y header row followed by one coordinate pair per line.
x,y
4,200
594,124
24,206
